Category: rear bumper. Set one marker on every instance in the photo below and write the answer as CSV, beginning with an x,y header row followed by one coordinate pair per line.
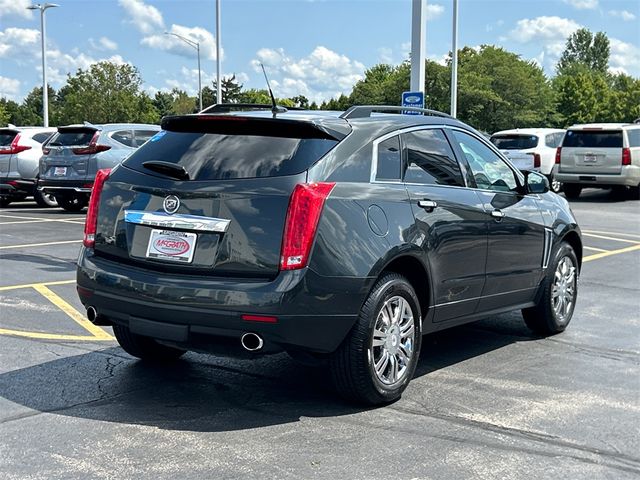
x,y
314,313
629,176
65,186
17,187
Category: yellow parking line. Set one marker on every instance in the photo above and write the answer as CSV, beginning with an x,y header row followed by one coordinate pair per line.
x,y
604,237
595,249
596,256
613,233
51,336
76,316
31,285
39,244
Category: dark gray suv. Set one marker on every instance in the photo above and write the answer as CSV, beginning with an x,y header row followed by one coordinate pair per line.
x,y
336,236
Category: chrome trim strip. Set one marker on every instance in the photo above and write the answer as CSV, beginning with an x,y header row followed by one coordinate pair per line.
x,y
182,222
484,296
548,242
76,189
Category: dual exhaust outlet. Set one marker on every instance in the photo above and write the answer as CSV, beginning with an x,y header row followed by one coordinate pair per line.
x,y
251,342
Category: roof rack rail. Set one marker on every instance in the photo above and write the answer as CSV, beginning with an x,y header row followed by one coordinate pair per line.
x,y
364,111
227,107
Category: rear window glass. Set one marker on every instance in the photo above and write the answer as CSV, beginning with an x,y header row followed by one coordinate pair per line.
x,y
216,156
514,142
553,140
593,139
125,137
144,135
634,137
6,138
41,137
68,138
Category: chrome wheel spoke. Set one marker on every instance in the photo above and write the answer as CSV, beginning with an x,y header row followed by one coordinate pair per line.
x,y
381,365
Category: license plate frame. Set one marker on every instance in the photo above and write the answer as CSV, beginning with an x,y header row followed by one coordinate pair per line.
x,y
171,246
590,158
59,171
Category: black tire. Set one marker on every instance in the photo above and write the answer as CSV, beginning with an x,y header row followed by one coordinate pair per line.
x,y
634,193
72,204
544,319
571,190
5,202
554,185
145,348
44,200
352,364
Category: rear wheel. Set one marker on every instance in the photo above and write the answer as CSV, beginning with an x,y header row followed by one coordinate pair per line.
x,y
634,193
72,204
5,202
143,347
555,308
45,200
376,361
571,190
554,185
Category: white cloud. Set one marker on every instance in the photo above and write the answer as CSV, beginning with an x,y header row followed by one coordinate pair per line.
x,y
16,8
9,87
548,32
171,43
623,14
146,18
321,75
434,11
103,44
59,64
624,58
16,41
582,4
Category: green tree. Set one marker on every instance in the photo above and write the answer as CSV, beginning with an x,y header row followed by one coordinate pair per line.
x,y
624,100
582,95
585,48
163,103
10,108
182,103
4,114
105,93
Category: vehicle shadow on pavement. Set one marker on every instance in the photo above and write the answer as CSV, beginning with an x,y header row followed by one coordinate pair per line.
x,y
47,263
206,393
595,195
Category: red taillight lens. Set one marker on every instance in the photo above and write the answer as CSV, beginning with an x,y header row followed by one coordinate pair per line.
x,y
91,222
303,215
92,148
14,147
558,154
260,318
536,160
626,156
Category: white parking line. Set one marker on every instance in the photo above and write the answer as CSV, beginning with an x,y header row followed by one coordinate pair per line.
x,y
604,237
632,235
39,244
22,220
595,249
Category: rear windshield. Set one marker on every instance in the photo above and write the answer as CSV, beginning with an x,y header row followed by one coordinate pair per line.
x,y
593,139
216,156
6,138
71,138
515,142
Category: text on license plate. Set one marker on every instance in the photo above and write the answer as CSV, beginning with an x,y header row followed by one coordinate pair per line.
x,y
590,159
60,171
172,246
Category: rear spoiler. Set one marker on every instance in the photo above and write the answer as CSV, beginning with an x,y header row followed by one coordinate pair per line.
x,y
241,125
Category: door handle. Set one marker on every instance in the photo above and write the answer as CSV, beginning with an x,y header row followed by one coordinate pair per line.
x,y
427,204
497,214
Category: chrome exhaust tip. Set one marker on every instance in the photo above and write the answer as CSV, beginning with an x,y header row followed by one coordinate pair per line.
x,y
251,342
92,314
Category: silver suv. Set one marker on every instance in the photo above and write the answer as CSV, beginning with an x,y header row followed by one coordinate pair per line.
x,y
73,155
601,155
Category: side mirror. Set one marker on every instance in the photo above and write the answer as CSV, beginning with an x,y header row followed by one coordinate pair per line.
x,y
536,182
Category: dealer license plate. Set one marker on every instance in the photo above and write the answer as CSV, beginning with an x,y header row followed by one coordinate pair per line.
x,y
172,246
590,158
60,171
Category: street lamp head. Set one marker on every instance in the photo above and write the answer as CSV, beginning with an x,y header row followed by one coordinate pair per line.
x,y
42,6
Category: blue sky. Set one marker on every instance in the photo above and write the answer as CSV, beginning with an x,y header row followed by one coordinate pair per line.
x,y
318,48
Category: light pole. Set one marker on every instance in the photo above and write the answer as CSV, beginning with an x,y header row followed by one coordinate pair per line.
x,y
218,85
195,45
45,89
454,62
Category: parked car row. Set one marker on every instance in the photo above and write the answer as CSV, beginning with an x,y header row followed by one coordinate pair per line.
x,y
58,166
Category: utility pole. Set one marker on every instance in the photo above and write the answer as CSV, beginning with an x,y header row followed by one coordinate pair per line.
x,y
454,62
418,35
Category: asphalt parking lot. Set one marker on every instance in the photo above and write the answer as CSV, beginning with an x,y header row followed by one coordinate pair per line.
x,y
489,400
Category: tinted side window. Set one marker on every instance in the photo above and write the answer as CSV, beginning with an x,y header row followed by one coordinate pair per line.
x,y
389,159
143,135
41,137
430,159
489,171
634,137
124,137
553,140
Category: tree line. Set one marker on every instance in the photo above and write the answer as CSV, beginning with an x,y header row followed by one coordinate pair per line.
x,y
497,89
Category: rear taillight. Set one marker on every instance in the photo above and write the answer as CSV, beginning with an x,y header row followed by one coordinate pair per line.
x,y
14,147
626,156
536,160
303,215
91,222
92,148
558,154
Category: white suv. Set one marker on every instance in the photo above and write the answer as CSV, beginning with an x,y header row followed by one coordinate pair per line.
x,y
601,155
531,149
20,152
